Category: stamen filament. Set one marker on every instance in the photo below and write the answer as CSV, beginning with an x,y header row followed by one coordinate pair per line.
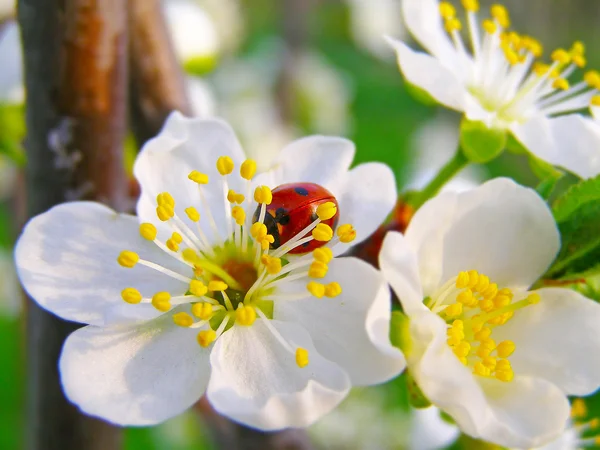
x,y
164,270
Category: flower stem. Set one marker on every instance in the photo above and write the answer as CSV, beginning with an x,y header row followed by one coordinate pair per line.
x,y
458,162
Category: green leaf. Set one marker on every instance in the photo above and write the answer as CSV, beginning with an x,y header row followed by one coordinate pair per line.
x,y
575,197
420,95
542,169
479,143
12,132
415,396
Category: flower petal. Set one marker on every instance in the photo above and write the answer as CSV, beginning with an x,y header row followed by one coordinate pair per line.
x,y
429,431
67,261
557,339
571,142
351,329
187,144
139,375
399,266
367,197
429,74
501,229
256,381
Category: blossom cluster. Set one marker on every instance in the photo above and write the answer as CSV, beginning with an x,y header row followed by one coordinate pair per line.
x,y
236,280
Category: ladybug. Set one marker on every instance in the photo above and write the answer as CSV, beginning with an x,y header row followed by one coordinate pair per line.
x,y
294,207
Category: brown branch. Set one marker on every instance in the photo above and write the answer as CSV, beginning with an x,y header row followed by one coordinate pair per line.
x,y
76,79
157,83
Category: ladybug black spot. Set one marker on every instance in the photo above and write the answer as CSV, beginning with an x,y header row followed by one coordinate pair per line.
x,y
301,191
313,217
306,244
281,216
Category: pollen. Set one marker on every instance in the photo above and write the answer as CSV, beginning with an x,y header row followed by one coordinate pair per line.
x,y
560,83
148,231
595,101
225,165
505,349
333,289
301,357
578,409
561,56
245,315
346,233
592,78
198,288
471,5
248,169
322,232
183,319
258,230
326,211
190,255
238,213
318,269
165,199
234,197
202,310
197,177
490,26
500,14
216,285
165,212
452,25
128,259
316,289
131,295
206,337
262,194
447,10
272,264
323,254
192,214
162,301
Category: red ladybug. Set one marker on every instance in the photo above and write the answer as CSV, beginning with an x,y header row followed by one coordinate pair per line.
x,y
294,207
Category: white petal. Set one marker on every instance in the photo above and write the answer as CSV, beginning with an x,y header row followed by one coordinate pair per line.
x,y
557,339
256,381
67,261
11,75
351,329
424,22
595,111
187,144
399,266
429,431
428,73
367,197
135,375
526,412
501,229
571,142
322,160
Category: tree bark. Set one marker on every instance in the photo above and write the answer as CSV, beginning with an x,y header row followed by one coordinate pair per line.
x,y
76,79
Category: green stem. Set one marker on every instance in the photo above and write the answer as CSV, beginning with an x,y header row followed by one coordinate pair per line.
x,y
458,162
564,263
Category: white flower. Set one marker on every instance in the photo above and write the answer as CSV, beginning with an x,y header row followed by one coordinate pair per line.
x,y
429,431
498,80
499,359
11,75
208,307
201,97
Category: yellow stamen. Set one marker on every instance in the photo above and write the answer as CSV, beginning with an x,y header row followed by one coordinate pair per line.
x,y
165,212
272,264
162,301
333,289
316,289
258,230
131,295
595,100
183,319
262,194
318,269
454,310
225,165
192,214
452,25
198,288
206,337
148,231
216,285
326,211
322,233
561,56
592,78
128,259
560,83
248,169
301,357
239,215
197,177
471,5
346,233
500,13
490,26
165,199
202,310
190,255
245,315
323,254
234,197
505,349
447,10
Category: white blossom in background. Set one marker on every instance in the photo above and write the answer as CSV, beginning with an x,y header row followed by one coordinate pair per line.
x,y
11,61
498,358
429,431
201,97
228,17
432,145
370,20
497,76
10,291
188,298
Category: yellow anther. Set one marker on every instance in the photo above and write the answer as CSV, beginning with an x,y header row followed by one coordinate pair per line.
x,y
225,165
505,375
183,319
262,194
505,349
490,26
301,357
595,101
454,310
593,424
471,5
323,254
500,13
462,280
333,289
462,349
326,211
561,56
164,212
197,177
503,364
206,337
486,347
318,269
561,84
234,197
473,278
541,69
458,325
189,255
198,288
533,298
346,233
447,10
452,25
481,369
486,305
165,199
162,301
131,295
592,78
466,297
578,48
273,265
192,214
177,237
216,285
501,301
322,233
490,292
245,315
148,231
248,169
239,215
202,310
579,60
483,334
533,45
578,409
489,362
482,283
266,241
258,230
128,259
512,57
172,245
316,289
